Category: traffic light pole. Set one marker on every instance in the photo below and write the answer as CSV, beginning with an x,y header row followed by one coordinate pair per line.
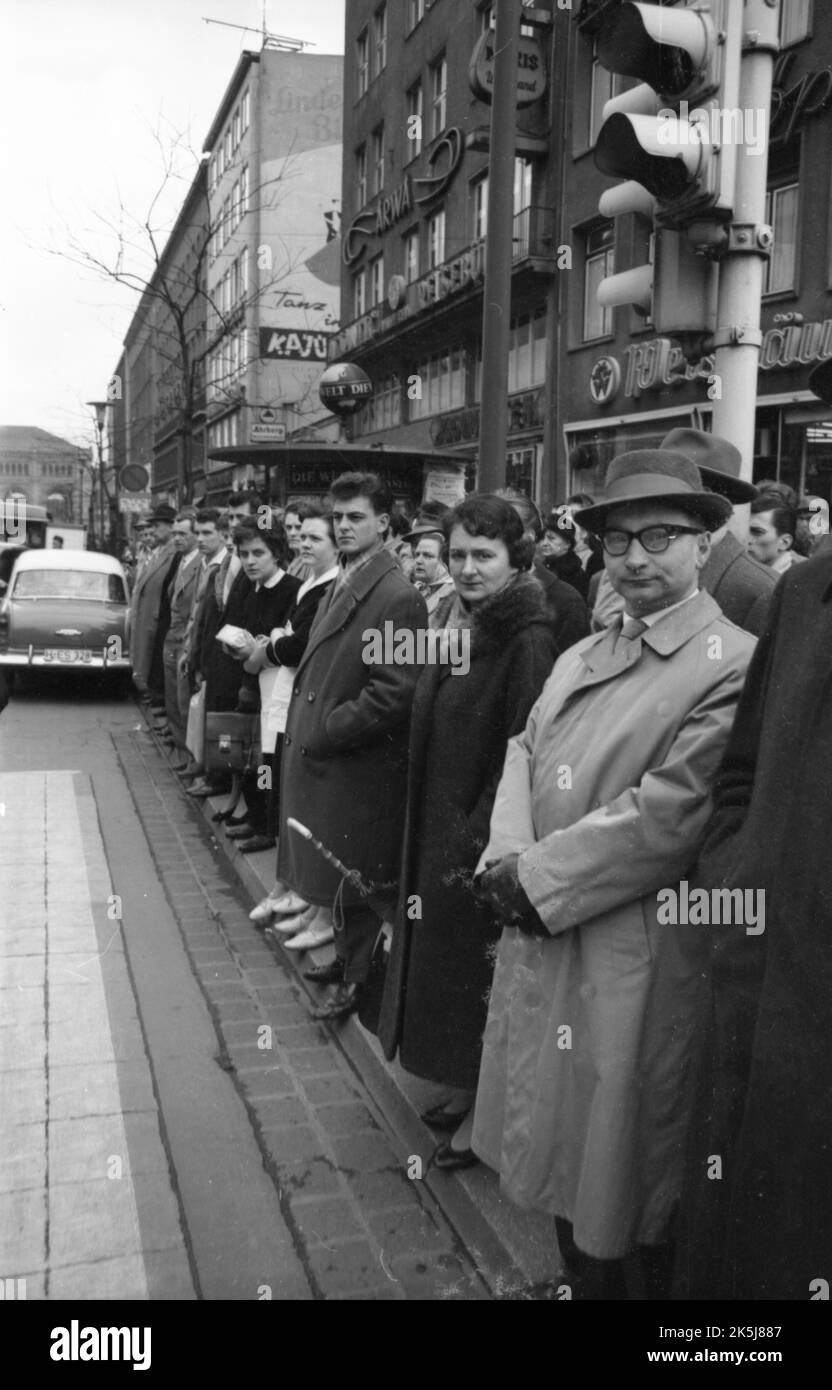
x,y
498,251
738,335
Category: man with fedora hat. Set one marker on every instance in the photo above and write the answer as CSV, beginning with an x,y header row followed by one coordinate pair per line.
x,y
147,599
740,585
583,1100
430,574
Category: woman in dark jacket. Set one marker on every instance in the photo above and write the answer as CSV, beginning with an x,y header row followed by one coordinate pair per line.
x,y
557,551
436,990
264,555
276,657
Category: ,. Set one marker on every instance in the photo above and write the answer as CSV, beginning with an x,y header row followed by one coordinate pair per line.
x,y
67,609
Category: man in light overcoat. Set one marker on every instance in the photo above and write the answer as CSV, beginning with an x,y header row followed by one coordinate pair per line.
x,y
183,590
147,597
584,1089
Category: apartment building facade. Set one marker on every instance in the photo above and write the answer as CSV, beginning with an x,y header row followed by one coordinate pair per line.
x,y
415,204
584,383
156,396
273,158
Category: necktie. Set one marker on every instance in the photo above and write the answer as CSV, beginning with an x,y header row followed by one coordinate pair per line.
x,y
631,628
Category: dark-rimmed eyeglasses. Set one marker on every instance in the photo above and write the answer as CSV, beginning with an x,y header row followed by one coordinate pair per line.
x,y
653,539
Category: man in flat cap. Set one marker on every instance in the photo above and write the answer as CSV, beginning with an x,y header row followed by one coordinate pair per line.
x,y
430,574
583,1097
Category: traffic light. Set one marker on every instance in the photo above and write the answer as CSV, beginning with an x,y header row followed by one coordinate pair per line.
x,y
677,133
672,139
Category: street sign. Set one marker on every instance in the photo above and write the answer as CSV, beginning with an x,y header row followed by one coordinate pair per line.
x,y
267,415
133,477
134,504
531,69
293,345
271,434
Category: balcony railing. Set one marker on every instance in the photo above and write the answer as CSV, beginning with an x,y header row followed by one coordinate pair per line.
x,y
533,234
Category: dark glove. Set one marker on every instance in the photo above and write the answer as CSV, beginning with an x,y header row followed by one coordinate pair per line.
x,y
383,900
500,887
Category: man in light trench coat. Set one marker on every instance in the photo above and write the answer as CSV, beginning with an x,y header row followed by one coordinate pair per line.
x,y
147,598
584,1087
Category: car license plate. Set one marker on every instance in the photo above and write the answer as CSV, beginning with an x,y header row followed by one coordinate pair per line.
x,y
67,654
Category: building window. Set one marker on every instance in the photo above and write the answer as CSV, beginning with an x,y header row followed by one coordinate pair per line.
x,y
411,256
376,269
359,294
379,40
362,48
244,191
235,206
220,160
438,96
442,377
599,262
414,120
795,21
527,355
235,125
226,222
436,239
480,219
245,113
600,92
361,176
378,159
229,147
212,182
527,352
239,278
415,13
385,409
781,214
522,184
520,355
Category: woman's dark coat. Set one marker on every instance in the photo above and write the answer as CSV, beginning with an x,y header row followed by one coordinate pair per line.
x,y
763,1229
287,651
268,608
440,967
568,614
223,675
569,568
264,610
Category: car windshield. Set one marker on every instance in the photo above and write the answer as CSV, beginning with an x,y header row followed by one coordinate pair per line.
x,y
60,583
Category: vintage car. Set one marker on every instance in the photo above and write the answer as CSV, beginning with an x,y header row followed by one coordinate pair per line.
x,y
65,609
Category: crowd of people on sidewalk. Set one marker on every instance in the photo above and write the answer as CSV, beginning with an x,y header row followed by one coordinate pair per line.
x,y
530,776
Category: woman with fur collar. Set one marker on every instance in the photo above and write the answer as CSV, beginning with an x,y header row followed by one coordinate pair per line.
x,y
439,974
